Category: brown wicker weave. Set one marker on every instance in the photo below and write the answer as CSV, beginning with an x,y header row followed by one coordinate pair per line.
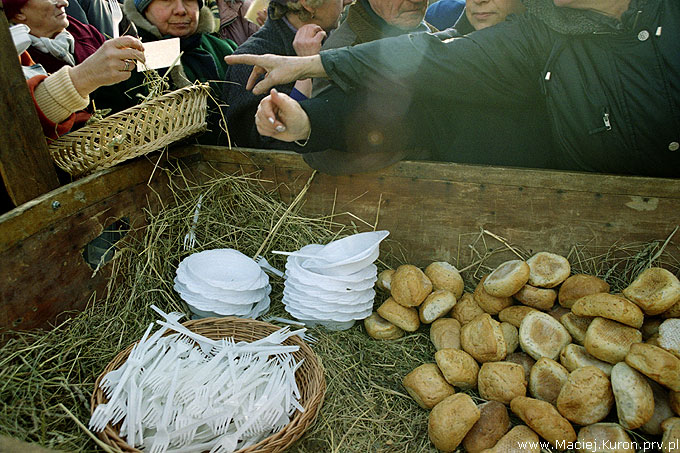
x,y
309,377
138,130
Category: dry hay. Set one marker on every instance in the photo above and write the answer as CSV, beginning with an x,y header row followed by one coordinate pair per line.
x,y
366,408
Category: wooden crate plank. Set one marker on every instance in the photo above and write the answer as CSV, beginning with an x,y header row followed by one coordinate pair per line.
x,y
436,211
44,271
42,211
25,165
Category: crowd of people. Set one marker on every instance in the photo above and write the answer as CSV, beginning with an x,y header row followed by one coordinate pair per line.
x,y
586,85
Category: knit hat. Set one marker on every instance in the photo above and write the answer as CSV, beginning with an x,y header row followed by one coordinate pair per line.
x,y
13,7
143,4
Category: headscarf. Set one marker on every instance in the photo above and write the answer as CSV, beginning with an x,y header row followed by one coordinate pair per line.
x,y
13,7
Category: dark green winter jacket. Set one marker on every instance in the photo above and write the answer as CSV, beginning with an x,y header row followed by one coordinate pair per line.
x,y
611,88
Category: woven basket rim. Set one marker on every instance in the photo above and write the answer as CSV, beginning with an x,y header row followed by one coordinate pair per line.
x,y
310,378
114,117
143,128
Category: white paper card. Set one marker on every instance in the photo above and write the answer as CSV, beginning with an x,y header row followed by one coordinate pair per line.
x,y
160,54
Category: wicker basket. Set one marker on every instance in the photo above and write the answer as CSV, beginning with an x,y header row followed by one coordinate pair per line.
x,y
309,377
138,130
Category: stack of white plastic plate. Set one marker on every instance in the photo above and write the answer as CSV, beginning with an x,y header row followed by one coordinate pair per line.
x,y
222,282
332,285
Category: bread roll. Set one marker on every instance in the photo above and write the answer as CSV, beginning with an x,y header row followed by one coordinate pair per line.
x,y
655,290
548,270
450,421
544,419
538,298
501,381
557,311
385,279
610,340
520,439
576,326
541,335
458,368
673,312
633,396
669,336
483,339
379,328
466,309
436,305
490,304
427,385
445,334
656,363
493,423
524,359
674,401
514,314
650,327
405,318
604,438
507,278
546,380
610,306
580,285
445,276
586,397
511,336
409,286
662,409
654,339
574,356
670,442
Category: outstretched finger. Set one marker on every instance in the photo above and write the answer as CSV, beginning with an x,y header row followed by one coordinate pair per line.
x,y
255,76
269,109
263,86
243,58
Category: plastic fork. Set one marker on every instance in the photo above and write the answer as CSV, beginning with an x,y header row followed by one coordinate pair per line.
x,y
116,16
264,264
190,237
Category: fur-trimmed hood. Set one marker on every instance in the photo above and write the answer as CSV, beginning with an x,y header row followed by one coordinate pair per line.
x,y
206,20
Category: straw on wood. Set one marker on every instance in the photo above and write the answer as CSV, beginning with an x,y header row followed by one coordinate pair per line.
x,y
138,130
366,409
309,378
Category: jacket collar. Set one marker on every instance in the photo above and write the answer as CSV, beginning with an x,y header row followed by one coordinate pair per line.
x,y
463,25
572,21
206,20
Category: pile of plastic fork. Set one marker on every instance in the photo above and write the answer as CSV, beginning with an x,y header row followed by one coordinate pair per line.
x,y
186,392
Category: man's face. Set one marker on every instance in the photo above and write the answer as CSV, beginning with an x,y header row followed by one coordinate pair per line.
x,y
404,14
485,13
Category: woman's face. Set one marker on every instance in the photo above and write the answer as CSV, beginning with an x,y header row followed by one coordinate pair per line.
x,y
174,17
486,13
45,18
327,15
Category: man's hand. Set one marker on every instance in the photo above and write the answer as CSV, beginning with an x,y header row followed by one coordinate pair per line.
x,y
281,117
111,63
277,70
261,17
308,40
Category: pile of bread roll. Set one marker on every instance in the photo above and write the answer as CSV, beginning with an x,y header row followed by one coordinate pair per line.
x,y
560,351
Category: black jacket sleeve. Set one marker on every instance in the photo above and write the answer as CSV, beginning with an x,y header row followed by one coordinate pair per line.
x,y
497,65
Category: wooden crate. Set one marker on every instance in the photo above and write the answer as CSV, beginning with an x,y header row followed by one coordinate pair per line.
x,y
434,211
